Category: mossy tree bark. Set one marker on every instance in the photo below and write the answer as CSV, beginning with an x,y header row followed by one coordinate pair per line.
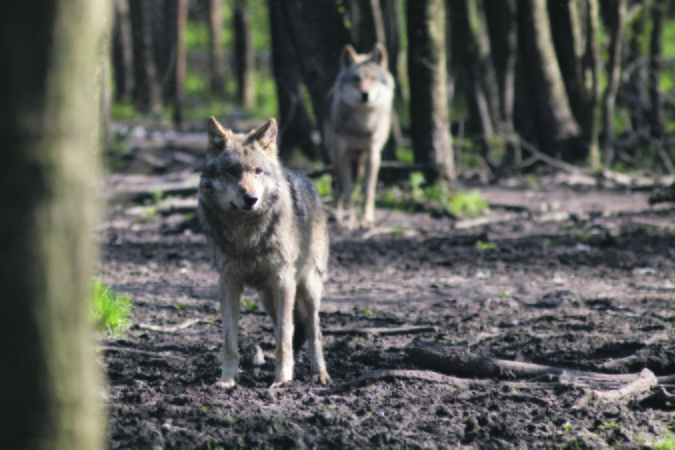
x,y
295,124
244,56
558,131
427,70
49,170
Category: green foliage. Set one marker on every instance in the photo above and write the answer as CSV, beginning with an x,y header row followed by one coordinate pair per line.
x,y
324,185
108,311
480,245
468,203
405,155
250,305
122,111
667,443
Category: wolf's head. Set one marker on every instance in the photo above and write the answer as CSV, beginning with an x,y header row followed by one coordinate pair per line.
x,y
364,79
242,171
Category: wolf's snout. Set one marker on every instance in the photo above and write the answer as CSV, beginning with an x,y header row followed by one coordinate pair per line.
x,y
364,97
250,200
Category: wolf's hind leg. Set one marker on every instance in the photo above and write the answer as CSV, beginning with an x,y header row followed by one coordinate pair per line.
x,y
311,290
230,296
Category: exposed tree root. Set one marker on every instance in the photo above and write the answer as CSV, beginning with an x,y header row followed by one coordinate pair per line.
x,y
378,331
379,375
174,329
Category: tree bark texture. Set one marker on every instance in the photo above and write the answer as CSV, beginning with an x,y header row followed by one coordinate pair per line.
x,y
658,121
392,18
319,35
147,93
616,30
122,51
216,55
244,57
557,130
427,70
638,47
49,170
295,124
178,70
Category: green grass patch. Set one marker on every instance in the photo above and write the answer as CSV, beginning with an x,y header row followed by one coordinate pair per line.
x,y
122,111
667,443
249,304
468,204
108,311
480,245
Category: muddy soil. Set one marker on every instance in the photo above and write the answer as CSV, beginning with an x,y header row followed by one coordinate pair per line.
x,y
566,276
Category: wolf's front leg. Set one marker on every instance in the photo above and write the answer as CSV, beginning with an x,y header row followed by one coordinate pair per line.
x,y
372,169
284,298
230,296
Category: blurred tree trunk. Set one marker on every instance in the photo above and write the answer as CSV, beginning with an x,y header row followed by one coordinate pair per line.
x,y
216,55
244,56
123,53
658,121
427,70
592,64
177,78
481,86
616,29
163,23
295,124
502,20
558,132
147,94
392,18
638,47
365,29
49,172
319,36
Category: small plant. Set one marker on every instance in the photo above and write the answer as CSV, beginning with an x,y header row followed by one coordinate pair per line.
x,y
467,203
366,311
480,245
108,311
324,185
668,443
157,195
250,305
567,426
178,306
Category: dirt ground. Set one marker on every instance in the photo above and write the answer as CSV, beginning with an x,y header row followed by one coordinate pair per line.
x,y
560,274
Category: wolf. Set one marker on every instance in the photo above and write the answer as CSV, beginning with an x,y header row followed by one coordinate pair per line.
x,y
266,229
359,120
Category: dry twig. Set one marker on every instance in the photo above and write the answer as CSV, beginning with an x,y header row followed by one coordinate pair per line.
x,y
173,329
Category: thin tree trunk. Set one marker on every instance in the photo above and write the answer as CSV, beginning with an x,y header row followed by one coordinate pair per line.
x,y
639,48
558,132
658,121
613,79
178,69
593,63
319,36
49,170
244,57
147,94
392,18
216,56
123,53
295,125
427,69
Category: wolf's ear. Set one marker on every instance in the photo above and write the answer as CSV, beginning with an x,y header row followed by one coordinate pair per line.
x,y
266,136
347,57
218,136
379,55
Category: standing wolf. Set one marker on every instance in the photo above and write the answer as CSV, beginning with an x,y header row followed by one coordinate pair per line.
x,y
358,127
266,229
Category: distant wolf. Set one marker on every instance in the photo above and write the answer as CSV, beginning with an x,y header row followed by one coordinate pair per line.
x,y
358,126
266,229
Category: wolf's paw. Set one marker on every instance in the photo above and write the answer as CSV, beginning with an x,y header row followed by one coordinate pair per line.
x,y
321,377
280,384
226,384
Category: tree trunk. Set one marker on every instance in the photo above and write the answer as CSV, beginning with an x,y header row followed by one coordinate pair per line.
x,y
123,54
592,63
216,56
295,125
244,56
658,121
502,20
147,94
178,69
613,79
638,48
427,69
392,18
49,172
319,36
558,132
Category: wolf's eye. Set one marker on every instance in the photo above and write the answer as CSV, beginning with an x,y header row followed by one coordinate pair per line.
x,y
258,171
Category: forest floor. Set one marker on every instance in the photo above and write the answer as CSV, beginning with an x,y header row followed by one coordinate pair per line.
x,y
574,277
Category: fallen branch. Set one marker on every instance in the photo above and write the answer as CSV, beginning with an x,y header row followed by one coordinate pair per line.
x,y
558,164
459,361
173,329
644,382
380,375
379,331
139,352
